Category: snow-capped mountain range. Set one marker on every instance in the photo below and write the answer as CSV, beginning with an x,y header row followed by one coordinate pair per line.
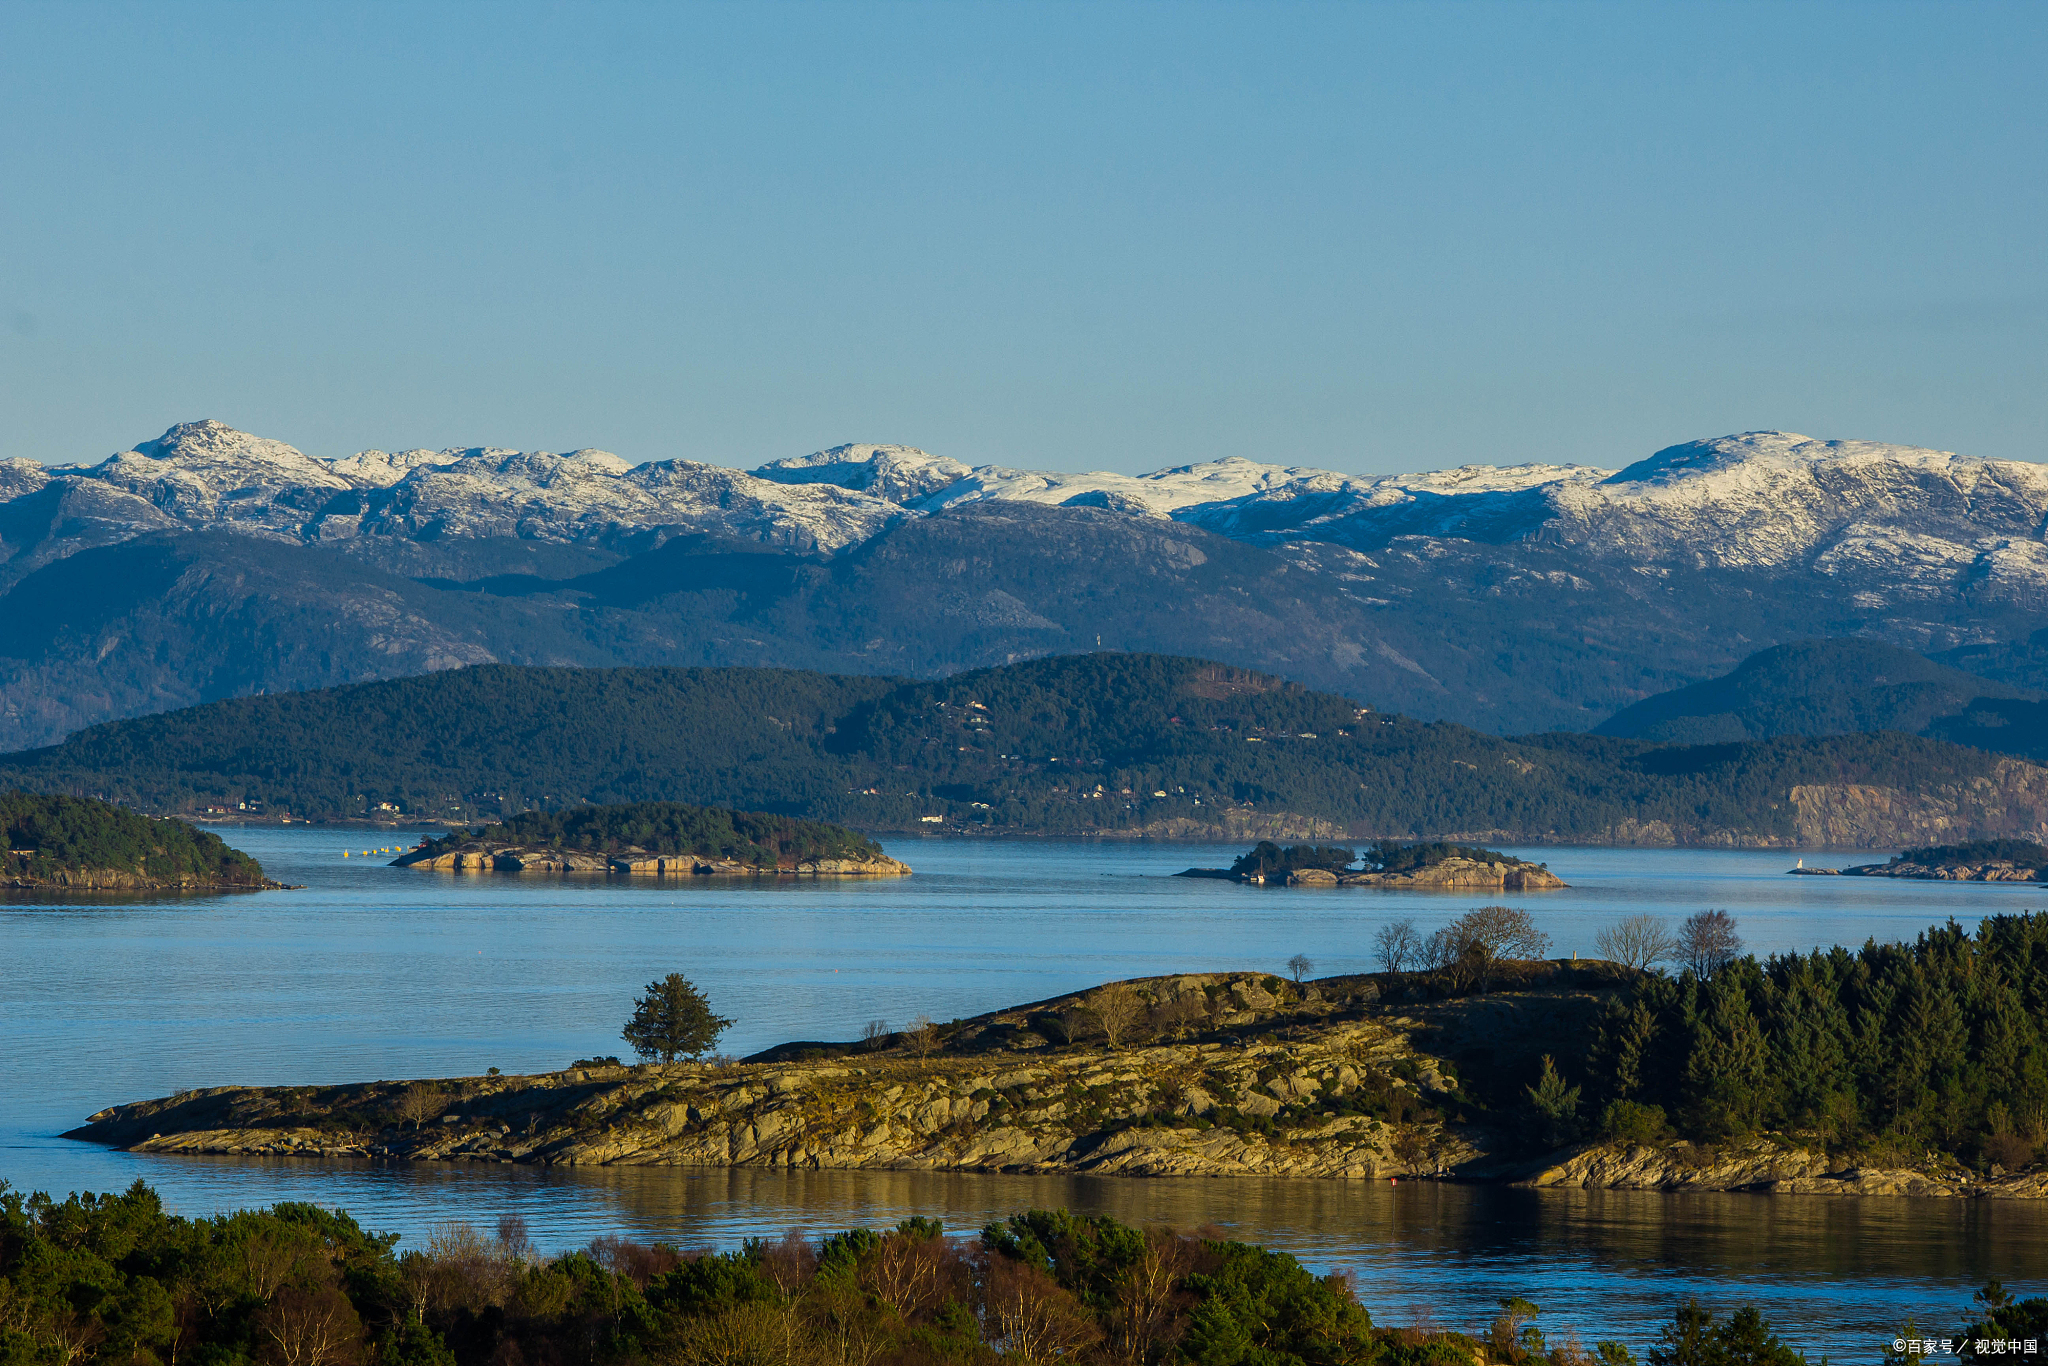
x,y
1759,500
209,562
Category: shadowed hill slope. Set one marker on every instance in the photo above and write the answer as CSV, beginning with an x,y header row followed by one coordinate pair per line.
x,y
1112,744
1810,687
1839,687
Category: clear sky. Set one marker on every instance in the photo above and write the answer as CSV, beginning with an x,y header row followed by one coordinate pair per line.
x,y
1092,236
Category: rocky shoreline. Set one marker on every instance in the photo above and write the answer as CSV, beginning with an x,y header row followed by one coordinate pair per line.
x,y
1993,871
125,880
1336,1079
484,856
1450,875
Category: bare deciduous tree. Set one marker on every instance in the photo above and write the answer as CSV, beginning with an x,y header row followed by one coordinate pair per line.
x,y
1146,1311
515,1242
316,1327
417,1103
1397,945
1707,942
1300,966
1026,1315
1116,1009
906,1270
922,1036
1178,1017
465,1269
1504,931
1636,942
1469,946
874,1035
790,1261
747,1334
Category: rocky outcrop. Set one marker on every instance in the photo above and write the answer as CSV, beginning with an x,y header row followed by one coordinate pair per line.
x,y
1461,874
1231,1075
1236,1074
1679,1166
1140,1112
478,856
126,880
2010,802
1993,870
1768,1167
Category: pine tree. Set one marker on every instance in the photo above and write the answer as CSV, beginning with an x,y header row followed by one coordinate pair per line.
x,y
1556,1105
672,1020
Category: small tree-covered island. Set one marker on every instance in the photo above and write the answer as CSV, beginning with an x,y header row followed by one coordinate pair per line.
x,y
662,838
57,843
1441,866
1895,1069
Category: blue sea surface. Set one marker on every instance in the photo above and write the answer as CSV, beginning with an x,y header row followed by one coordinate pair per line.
x,y
377,972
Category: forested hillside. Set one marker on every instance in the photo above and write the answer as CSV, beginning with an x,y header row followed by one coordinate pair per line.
x,y
58,838
1101,743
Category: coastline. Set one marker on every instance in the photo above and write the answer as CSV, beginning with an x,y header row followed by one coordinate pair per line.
x,y
1324,1081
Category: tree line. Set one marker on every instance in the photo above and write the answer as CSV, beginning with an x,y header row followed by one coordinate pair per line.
x,y
97,1280
1904,1051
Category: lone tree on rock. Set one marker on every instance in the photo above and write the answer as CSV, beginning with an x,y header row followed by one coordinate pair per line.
x,y
673,1020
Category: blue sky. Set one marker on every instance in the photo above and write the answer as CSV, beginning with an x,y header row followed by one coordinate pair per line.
x,y
1369,238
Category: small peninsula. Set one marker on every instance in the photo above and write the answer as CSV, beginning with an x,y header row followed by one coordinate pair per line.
x,y
1429,867
73,844
663,839
1542,1072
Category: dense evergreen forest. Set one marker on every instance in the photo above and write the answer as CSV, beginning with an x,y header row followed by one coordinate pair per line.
x,y
1901,1050
673,828
1071,743
114,1279
48,835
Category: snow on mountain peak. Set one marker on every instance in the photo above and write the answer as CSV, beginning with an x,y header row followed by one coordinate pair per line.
x,y
381,469
208,442
900,474
1757,499
1779,451
1763,499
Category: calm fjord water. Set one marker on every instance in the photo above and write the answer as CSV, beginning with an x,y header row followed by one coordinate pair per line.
x,y
379,972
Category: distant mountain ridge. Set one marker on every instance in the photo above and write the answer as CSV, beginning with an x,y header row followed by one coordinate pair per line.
x,y
210,563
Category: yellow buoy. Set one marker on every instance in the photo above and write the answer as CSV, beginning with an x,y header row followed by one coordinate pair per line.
x,y
344,853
